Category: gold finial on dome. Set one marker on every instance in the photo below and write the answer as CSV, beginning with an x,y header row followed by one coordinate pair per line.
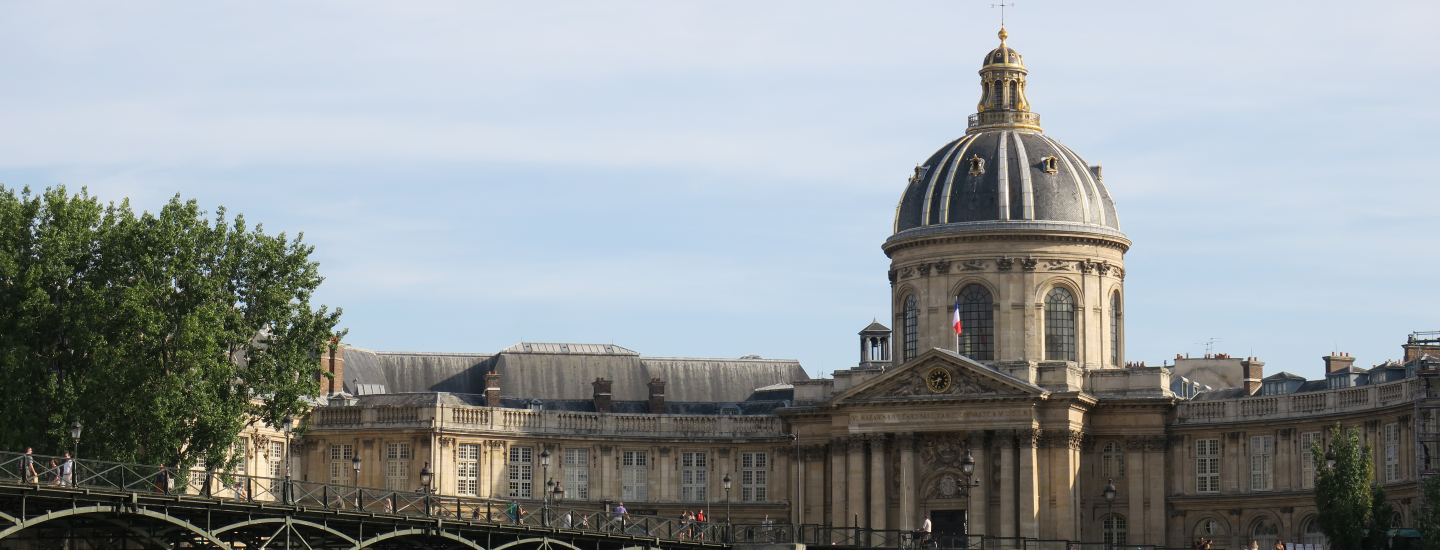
x,y
1002,100
1003,35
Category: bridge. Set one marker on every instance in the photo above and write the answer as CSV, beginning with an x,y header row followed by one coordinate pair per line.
x,y
113,505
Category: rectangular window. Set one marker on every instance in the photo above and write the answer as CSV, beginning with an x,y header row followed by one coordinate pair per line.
x,y
397,466
521,471
633,476
1207,465
242,454
340,467
577,474
694,477
1262,463
277,459
1392,452
754,476
467,469
1307,459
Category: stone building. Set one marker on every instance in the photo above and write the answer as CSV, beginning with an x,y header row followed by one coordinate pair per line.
x,y
1006,230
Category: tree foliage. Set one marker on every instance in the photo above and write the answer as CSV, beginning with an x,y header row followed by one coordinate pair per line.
x,y
1350,506
164,334
1429,513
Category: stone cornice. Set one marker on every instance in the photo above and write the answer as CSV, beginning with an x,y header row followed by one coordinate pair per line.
x,y
1007,231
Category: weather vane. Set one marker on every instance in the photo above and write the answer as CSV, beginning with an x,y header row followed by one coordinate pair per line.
x,y
1002,11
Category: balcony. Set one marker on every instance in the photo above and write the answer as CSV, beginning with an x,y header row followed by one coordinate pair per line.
x,y
526,422
1004,119
1303,405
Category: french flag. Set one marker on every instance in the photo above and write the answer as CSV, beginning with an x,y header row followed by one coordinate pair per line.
x,y
957,316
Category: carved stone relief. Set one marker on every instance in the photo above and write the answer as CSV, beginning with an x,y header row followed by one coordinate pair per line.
x,y
942,267
906,272
1004,264
975,265
1057,265
924,270
1028,264
943,450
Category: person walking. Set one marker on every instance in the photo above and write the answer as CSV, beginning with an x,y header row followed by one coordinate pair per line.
x,y
67,472
162,479
925,528
27,467
513,510
54,477
622,515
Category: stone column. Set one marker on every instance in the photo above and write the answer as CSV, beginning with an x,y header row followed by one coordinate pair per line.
x,y
838,476
1155,488
1007,483
1135,475
878,480
1064,448
980,494
855,483
1029,485
905,443
797,493
815,485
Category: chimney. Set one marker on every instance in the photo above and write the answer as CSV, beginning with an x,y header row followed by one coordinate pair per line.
x,y
333,362
602,394
492,389
1337,361
657,396
1252,371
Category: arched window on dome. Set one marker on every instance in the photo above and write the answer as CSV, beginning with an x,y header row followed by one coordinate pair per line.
x,y
977,321
1112,460
1059,325
912,332
1115,329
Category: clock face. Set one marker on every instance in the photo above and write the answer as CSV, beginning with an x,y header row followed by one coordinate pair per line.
x,y
938,380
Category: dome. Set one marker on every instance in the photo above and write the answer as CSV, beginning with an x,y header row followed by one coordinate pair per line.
x,y
1005,173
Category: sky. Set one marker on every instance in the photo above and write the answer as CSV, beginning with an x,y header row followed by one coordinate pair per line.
x,y
715,178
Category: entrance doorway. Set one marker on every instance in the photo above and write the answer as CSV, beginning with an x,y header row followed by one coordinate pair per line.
x,y
948,522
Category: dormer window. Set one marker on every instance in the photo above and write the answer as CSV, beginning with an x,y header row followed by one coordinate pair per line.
x,y
536,404
1339,382
977,165
730,409
1051,163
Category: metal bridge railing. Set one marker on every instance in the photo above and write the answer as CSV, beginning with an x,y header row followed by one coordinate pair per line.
x,y
16,469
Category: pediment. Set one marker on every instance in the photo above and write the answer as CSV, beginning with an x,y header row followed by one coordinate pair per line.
x,y
913,380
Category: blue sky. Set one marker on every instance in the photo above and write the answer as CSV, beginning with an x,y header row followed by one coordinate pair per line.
x,y
715,178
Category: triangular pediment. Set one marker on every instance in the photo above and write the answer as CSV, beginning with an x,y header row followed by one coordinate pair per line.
x,y
939,373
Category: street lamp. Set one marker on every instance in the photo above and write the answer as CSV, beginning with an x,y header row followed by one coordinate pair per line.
x,y
426,476
75,453
289,426
1330,457
726,483
545,496
1109,494
356,463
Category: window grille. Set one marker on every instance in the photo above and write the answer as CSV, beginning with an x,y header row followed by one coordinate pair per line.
x,y
634,472
1262,463
467,469
397,466
1392,452
1266,533
1207,465
754,475
693,478
340,466
522,467
1115,530
1112,460
912,332
577,474
1307,459
1313,536
1059,325
977,321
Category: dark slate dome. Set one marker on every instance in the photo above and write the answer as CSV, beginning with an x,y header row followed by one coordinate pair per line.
x,y
1000,175
1005,173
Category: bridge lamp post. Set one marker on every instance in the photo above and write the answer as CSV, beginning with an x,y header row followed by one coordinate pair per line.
x,y
426,476
356,463
288,424
1330,457
1109,494
75,435
726,483
549,483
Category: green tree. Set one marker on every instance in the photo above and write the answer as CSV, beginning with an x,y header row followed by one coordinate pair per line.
x,y
1348,503
165,334
1429,513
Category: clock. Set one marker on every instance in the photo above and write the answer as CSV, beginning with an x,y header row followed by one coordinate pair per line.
x,y
938,380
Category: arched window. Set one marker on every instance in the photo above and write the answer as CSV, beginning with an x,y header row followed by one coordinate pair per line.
x,y
912,332
977,322
1059,325
1115,530
1265,533
1115,329
1209,529
1112,460
1312,536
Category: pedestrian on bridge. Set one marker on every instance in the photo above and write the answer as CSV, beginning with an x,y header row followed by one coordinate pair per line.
x,y
67,472
162,480
513,510
27,467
